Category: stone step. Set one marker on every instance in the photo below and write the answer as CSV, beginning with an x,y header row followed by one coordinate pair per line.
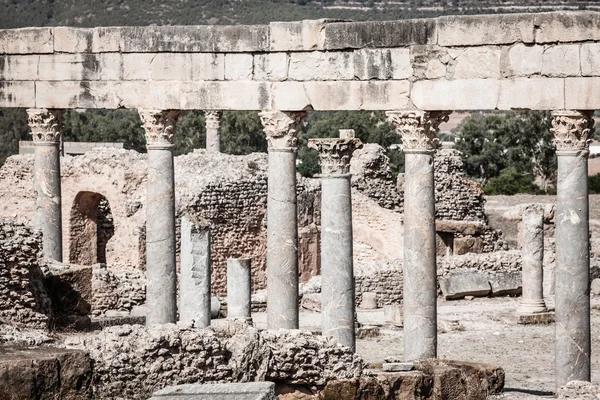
x,y
218,391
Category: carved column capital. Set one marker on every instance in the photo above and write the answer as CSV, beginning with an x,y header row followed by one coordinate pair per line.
x,y
335,154
573,130
159,126
45,124
417,128
213,119
282,127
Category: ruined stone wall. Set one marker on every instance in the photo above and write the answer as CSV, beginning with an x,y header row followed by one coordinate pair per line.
x,y
23,298
388,284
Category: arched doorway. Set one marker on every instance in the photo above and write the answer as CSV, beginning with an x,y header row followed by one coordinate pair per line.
x,y
92,226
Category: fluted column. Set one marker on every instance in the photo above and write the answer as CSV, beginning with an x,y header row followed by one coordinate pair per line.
x,y
46,125
573,131
213,131
419,141
160,217
337,270
282,225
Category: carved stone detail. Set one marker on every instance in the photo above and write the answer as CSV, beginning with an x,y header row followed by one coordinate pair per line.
x,y
335,154
281,127
159,126
573,130
418,129
45,124
213,119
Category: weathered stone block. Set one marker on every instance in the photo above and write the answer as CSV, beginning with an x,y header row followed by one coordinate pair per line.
x,y
393,314
69,67
27,41
271,66
240,38
441,94
464,227
485,29
71,291
532,94
297,36
136,66
319,66
476,62
238,66
218,391
73,40
506,283
566,26
459,284
544,318
17,94
382,64
369,301
590,59
19,68
466,245
582,93
357,35
524,60
561,60
106,39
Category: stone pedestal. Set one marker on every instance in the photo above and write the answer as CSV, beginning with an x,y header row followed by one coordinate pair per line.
x,y
160,217
282,225
239,288
337,271
213,131
419,130
532,253
573,131
194,283
46,127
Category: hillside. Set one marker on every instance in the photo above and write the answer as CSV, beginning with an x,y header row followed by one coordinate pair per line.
x,y
88,13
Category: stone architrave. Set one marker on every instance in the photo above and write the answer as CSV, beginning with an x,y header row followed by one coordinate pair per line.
x,y
418,130
161,298
337,270
532,255
239,288
46,125
573,131
281,129
213,131
195,281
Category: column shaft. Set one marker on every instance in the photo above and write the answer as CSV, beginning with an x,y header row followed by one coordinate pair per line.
x,y
213,131
239,288
532,250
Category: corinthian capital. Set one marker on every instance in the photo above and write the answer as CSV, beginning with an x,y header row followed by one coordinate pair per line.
x,y
281,127
418,128
45,124
213,119
159,126
335,154
573,130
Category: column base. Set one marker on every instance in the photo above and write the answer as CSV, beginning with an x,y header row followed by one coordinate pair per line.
x,y
531,307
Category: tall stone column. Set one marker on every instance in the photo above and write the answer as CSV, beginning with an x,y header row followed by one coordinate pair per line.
x,y
419,141
532,250
160,217
282,225
337,269
213,131
46,127
573,131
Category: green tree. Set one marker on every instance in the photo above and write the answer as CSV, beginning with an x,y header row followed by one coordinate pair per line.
x,y
13,128
511,182
242,133
594,184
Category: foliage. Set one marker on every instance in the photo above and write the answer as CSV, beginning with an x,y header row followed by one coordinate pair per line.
x,y
511,182
13,127
242,133
594,184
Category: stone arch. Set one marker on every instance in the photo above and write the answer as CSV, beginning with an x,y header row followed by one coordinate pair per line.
x,y
91,227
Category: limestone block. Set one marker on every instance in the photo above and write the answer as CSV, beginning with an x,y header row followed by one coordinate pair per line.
x,y
393,314
318,66
271,66
525,60
507,283
435,69
582,93
311,302
27,41
485,29
441,95
19,68
136,66
590,59
106,39
17,94
73,40
180,66
567,26
297,36
477,62
369,301
534,94
466,245
464,227
110,66
595,287
459,284
68,67
357,35
238,66
389,95
218,391
240,38
382,64
561,60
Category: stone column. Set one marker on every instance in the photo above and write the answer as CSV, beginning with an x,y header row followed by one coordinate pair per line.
x,y
337,271
282,225
532,255
160,217
194,284
419,141
239,288
46,127
213,131
573,131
